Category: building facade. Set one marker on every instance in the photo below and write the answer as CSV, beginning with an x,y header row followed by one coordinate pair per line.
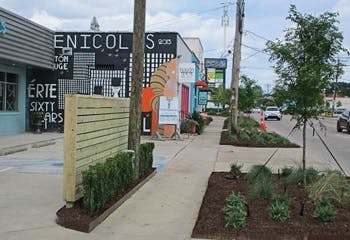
x,y
24,47
39,66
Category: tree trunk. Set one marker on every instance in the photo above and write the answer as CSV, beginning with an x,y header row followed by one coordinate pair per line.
x,y
138,47
304,151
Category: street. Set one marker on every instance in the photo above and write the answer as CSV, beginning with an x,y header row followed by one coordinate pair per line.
x,y
338,143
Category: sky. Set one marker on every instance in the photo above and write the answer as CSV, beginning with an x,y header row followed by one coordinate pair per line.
x,y
264,20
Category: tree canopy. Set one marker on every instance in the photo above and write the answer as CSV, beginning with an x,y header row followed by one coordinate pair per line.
x,y
306,63
221,96
249,92
306,59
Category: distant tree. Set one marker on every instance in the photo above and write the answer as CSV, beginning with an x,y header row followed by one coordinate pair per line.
x,y
221,96
249,92
305,62
339,104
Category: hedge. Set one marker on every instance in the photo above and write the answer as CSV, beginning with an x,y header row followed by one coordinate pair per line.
x,y
146,158
103,181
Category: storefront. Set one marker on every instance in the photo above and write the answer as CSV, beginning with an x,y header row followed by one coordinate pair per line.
x,y
39,66
24,47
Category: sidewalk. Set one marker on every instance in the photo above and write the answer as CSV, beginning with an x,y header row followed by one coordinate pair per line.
x,y
22,142
164,208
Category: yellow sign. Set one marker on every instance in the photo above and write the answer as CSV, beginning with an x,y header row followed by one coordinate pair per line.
x,y
211,75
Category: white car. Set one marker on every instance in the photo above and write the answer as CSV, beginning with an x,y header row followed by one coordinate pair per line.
x,y
272,112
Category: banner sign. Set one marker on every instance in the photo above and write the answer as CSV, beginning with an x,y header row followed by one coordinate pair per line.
x,y
168,110
202,98
187,72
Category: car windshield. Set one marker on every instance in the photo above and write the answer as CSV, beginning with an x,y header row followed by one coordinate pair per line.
x,y
271,109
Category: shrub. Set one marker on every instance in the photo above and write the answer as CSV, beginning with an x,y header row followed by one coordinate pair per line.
x,y
297,176
102,181
201,123
279,210
185,125
264,188
324,211
257,172
236,169
286,171
146,158
244,136
235,211
232,137
333,185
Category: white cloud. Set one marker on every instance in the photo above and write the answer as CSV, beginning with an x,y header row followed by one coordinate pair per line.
x,y
43,18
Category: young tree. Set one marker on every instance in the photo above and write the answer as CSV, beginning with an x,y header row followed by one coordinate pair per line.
x,y
221,96
305,62
248,93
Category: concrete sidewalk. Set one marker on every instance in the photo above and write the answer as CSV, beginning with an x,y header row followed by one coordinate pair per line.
x,y
164,208
21,142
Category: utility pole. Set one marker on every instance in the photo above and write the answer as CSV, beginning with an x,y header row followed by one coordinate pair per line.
x,y
138,48
335,85
225,23
236,64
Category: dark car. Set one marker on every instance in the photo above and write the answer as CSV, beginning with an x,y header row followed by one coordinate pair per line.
x,y
339,110
344,121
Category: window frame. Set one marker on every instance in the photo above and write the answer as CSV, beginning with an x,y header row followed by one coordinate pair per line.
x,y
5,84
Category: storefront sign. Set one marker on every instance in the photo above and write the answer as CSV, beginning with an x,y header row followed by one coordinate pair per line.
x,y
202,98
215,63
168,110
187,72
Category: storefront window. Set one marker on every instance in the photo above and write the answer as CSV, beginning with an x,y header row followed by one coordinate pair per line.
x,y
8,92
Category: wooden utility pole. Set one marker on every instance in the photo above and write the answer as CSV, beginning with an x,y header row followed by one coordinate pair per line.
x,y
138,48
236,64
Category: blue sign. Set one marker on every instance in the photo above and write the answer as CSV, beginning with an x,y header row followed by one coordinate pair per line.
x,y
2,27
202,98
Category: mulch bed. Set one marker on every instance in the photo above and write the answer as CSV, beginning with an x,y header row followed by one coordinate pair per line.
x,y
211,223
225,140
79,219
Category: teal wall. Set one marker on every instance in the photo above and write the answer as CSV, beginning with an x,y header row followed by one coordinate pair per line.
x,y
193,97
14,122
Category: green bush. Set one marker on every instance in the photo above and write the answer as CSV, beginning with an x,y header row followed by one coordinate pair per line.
x,y
146,158
324,211
201,122
264,188
257,172
102,181
244,136
235,212
286,171
297,176
333,185
279,208
186,124
236,169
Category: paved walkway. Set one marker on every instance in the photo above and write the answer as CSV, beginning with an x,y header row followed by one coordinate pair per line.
x,y
164,208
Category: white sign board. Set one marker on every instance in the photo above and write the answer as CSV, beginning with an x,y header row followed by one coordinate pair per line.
x,y
187,72
168,110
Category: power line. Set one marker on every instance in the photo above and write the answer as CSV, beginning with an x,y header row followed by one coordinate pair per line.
x,y
174,21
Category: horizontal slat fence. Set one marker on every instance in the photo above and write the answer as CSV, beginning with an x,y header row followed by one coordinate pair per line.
x,y
95,128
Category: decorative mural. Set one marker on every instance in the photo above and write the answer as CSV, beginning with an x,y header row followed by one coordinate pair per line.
x,y
96,63
163,83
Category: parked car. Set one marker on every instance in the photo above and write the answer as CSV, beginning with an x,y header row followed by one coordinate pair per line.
x,y
339,110
344,121
272,112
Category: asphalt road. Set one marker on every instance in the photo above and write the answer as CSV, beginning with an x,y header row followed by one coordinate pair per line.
x,y
338,143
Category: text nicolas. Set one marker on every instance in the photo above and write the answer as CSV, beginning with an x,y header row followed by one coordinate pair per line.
x,y
99,41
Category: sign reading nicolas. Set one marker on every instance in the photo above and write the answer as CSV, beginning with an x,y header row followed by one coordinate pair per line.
x,y
94,63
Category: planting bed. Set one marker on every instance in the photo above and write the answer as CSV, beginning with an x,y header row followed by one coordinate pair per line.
x,y
78,218
225,140
211,223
